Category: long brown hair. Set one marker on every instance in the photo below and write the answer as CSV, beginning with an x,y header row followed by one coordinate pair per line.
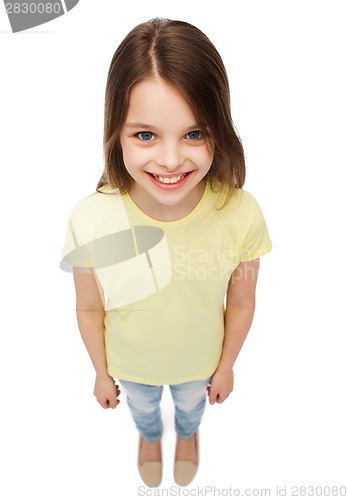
x,y
184,57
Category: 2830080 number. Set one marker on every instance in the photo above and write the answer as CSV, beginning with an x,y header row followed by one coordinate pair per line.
x,y
318,491
33,8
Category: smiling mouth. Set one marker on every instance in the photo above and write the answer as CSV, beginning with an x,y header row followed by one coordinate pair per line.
x,y
170,180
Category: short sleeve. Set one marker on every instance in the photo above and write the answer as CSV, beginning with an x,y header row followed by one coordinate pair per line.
x,y
257,241
75,255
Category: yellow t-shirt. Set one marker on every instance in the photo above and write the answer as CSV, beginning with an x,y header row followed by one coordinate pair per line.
x,y
164,282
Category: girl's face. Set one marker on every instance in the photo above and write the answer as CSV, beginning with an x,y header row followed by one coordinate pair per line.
x,y
164,151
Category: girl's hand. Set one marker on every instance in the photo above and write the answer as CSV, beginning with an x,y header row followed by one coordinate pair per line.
x,y
221,386
106,391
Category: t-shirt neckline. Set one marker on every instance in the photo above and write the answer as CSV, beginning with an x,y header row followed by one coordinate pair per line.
x,y
183,220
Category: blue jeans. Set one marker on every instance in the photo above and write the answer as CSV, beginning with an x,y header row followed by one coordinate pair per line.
x,y
144,403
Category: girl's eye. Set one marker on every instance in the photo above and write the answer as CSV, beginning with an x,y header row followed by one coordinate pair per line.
x,y
145,136
195,134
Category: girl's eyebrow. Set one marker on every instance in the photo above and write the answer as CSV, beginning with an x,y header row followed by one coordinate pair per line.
x,y
138,125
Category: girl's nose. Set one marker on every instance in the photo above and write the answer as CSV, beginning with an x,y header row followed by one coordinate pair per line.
x,y
170,157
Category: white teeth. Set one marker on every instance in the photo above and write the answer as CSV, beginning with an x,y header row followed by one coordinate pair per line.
x,y
169,180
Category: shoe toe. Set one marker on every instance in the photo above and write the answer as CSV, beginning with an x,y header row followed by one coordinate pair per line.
x,y
184,472
151,473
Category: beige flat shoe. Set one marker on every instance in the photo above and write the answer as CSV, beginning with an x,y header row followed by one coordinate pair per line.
x,y
184,470
150,472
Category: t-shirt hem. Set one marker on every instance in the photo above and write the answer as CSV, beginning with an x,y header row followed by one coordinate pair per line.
x,y
258,254
140,380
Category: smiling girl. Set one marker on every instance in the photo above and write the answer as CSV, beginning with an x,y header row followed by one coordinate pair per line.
x,y
164,151
150,310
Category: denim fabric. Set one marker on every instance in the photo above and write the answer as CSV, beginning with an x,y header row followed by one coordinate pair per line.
x,y
144,403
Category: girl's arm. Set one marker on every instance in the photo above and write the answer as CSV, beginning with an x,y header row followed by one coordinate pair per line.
x,y
240,306
90,317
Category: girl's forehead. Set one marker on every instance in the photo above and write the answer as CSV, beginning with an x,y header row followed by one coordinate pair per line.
x,y
154,87
154,101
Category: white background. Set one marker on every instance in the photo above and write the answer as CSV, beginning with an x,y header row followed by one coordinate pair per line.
x,y
285,423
